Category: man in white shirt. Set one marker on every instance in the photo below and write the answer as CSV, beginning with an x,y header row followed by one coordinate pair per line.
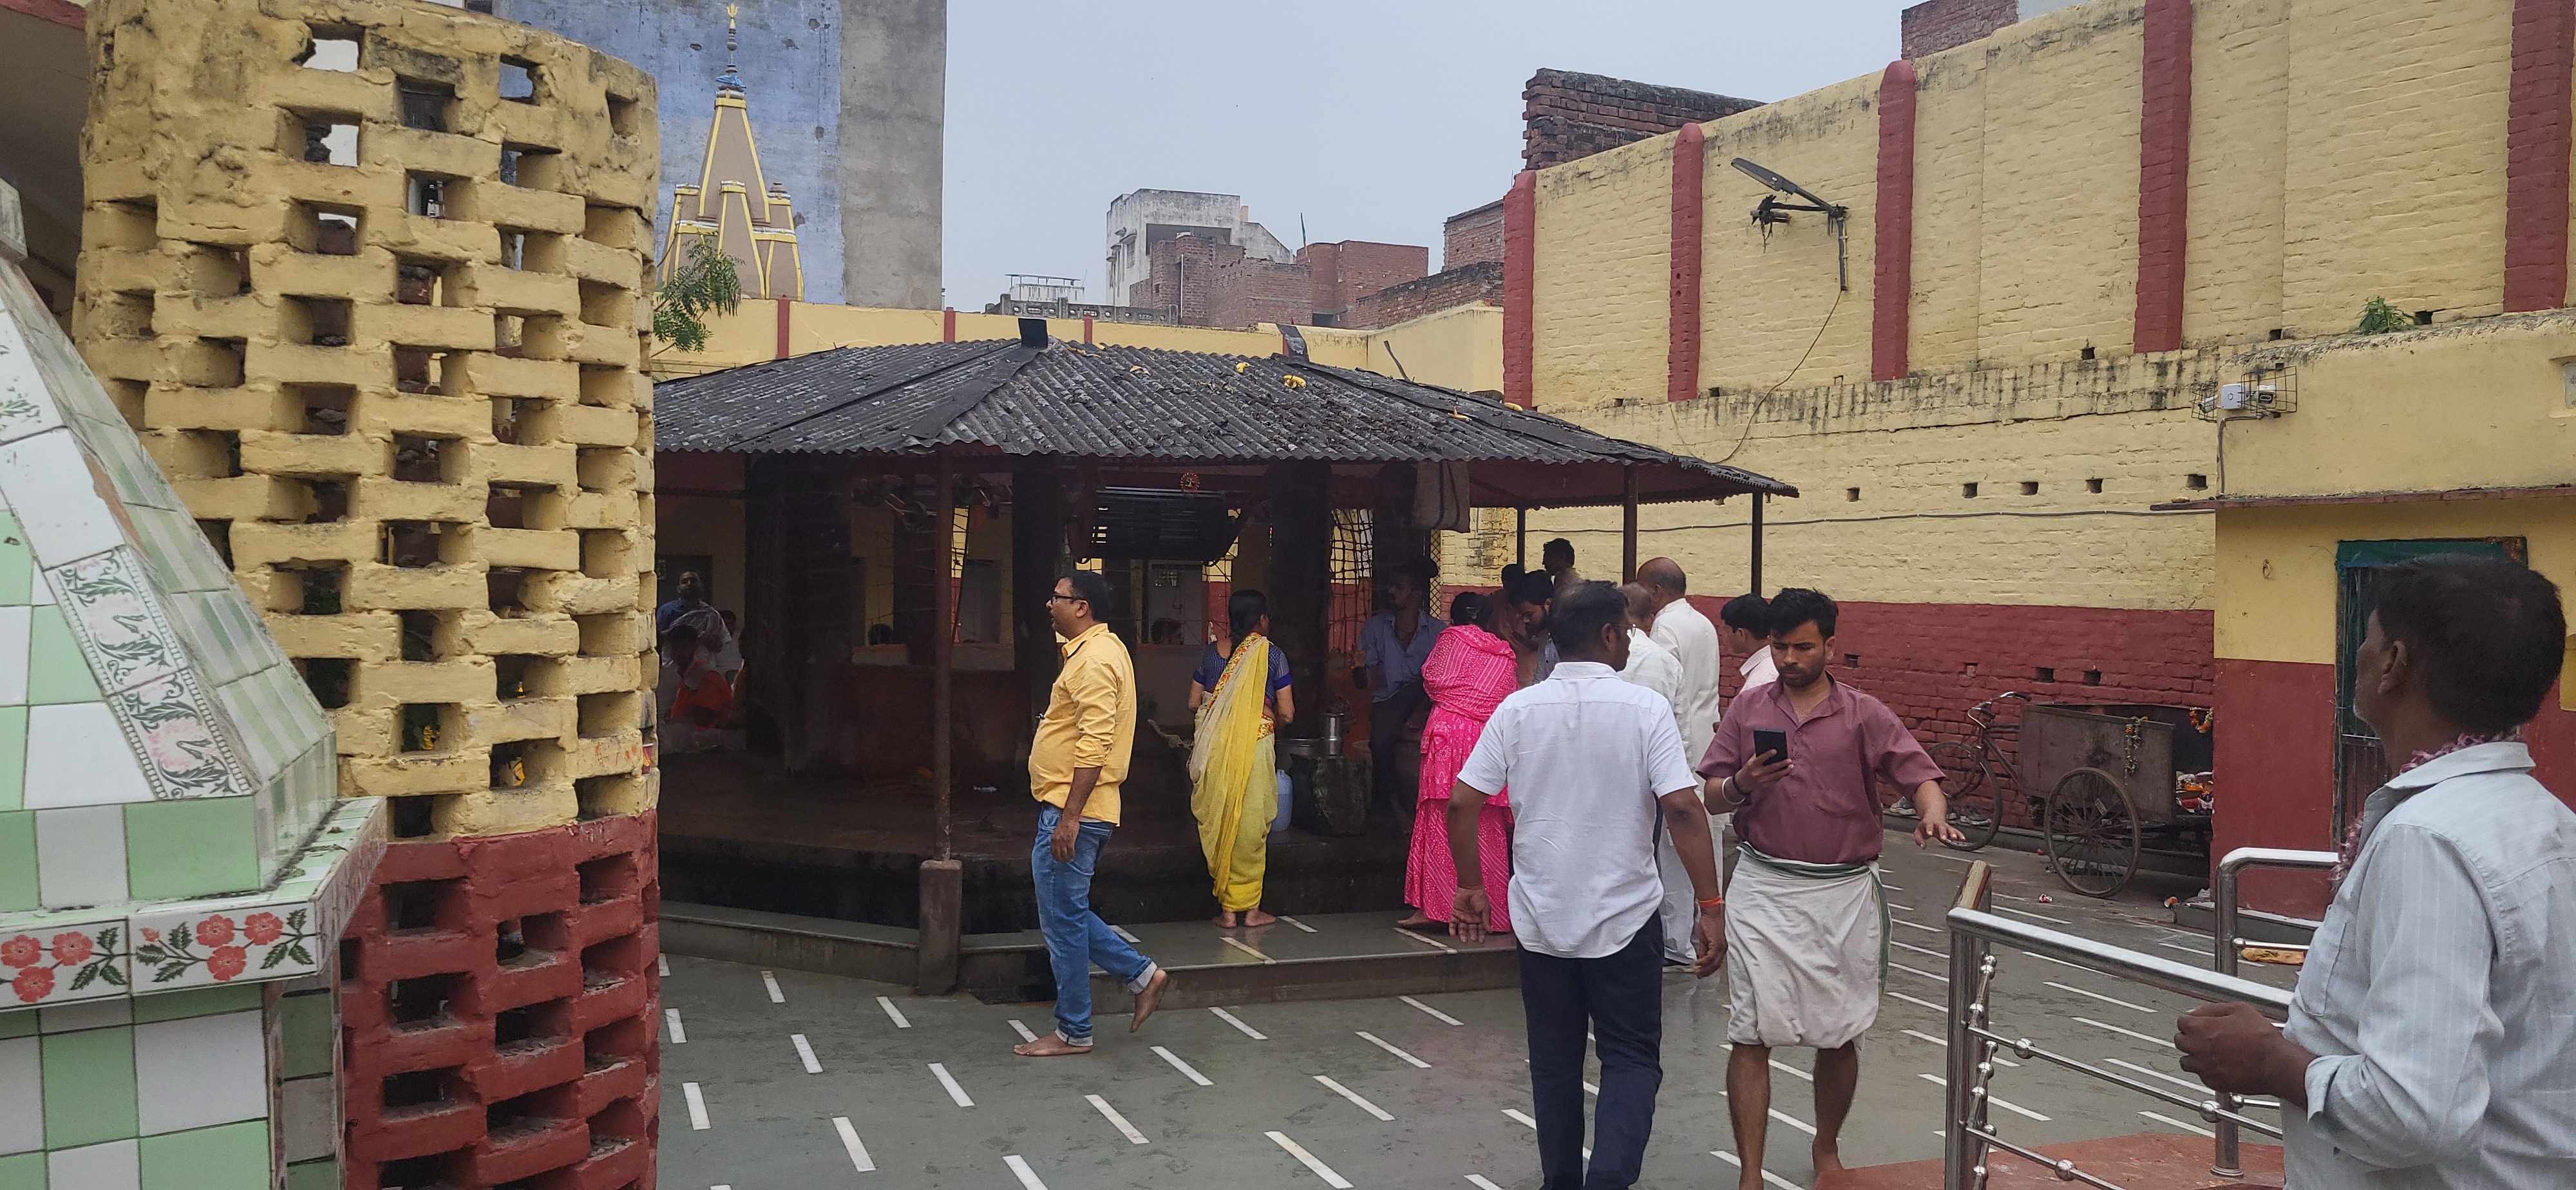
x,y
1653,666
1745,624
1595,766
2429,1046
1693,641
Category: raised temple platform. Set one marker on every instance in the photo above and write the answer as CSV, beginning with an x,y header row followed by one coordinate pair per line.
x,y
739,832
2141,1161
1325,956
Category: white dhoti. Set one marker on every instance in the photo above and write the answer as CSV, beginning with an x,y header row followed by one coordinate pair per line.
x,y
1680,910
1804,953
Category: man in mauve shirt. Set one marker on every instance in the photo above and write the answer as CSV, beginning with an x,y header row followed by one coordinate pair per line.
x,y
1805,920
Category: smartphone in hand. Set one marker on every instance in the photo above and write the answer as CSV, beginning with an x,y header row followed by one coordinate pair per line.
x,y
1774,742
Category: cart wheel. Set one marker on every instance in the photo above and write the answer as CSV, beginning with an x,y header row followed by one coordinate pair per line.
x,y
1974,807
2092,833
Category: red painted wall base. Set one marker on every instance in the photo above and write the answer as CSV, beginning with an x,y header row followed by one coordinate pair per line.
x,y
500,1004
2276,744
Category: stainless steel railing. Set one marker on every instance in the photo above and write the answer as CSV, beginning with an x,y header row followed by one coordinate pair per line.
x,y
2229,946
1974,1041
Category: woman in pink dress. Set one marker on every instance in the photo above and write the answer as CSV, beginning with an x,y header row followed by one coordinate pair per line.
x,y
1468,673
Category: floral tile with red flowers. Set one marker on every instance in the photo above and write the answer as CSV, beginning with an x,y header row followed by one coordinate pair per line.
x,y
233,943
59,958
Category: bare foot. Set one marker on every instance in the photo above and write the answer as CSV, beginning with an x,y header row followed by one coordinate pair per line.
x,y
1149,999
1049,1046
1828,1158
1225,920
1419,918
1254,918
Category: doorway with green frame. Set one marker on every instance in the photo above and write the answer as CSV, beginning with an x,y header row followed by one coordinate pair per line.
x,y
2359,766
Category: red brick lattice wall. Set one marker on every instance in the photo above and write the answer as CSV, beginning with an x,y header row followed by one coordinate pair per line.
x,y
1930,662
1938,25
499,999
1567,115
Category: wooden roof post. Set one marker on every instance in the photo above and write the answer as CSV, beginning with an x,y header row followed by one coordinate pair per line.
x,y
1759,498
1628,526
942,877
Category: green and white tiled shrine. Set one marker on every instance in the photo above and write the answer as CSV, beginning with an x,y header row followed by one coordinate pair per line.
x,y
175,863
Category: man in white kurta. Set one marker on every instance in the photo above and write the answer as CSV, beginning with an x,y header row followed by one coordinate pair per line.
x,y
1654,667
1687,633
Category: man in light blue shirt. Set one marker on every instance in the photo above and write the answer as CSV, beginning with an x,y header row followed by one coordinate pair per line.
x,y
2430,1046
1393,645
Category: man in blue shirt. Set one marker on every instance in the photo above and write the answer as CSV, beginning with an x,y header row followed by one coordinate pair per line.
x,y
1393,645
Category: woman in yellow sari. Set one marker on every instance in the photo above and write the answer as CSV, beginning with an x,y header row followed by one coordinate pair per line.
x,y
1234,771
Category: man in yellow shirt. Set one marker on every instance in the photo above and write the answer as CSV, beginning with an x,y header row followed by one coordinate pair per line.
x,y
1075,765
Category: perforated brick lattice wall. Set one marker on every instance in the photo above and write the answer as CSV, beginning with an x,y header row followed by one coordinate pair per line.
x,y
368,275
500,999
372,295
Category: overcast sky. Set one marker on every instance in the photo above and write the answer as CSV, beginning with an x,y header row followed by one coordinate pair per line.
x,y
1374,119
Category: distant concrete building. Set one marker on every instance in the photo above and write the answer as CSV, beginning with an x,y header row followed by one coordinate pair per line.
x,y
853,98
730,204
1140,219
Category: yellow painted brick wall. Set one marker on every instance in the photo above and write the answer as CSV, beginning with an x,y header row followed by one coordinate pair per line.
x,y
2276,566
2395,176
2482,404
1601,290
1912,535
1949,194
2240,98
2341,149
2059,242
1766,297
426,450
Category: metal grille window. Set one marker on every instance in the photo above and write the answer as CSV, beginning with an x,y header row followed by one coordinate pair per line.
x,y
1354,588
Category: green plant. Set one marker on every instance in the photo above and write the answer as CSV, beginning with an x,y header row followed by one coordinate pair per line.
x,y
704,280
2379,318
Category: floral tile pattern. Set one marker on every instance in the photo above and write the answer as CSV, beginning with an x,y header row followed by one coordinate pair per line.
x,y
279,934
63,961
200,948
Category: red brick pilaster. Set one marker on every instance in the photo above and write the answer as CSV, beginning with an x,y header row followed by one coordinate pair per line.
x,y
1681,355
501,1009
2164,175
1520,280
1892,274
948,324
2537,122
782,330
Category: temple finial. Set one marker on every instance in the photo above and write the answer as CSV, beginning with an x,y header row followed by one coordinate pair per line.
x,y
731,80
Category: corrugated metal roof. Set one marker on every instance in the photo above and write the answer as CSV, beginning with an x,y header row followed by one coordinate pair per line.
x,y
1079,401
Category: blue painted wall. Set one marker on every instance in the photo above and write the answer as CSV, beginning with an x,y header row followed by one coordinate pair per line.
x,y
791,68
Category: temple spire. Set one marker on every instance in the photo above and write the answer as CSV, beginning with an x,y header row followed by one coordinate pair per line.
x,y
748,217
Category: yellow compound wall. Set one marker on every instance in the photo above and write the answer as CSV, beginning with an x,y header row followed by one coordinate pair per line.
x,y
2339,151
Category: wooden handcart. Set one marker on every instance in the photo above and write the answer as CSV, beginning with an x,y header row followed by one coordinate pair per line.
x,y
2114,777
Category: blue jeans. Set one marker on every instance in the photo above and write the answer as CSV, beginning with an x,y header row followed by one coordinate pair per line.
x,y
1075,936
1621,996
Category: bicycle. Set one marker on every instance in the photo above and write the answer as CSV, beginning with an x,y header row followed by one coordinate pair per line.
x,y
1968,775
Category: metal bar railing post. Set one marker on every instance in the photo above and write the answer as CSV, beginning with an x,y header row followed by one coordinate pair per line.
x,y
1961,1151
2222,891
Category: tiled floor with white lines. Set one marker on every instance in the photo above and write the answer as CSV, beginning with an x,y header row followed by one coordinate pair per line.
x,y
783,1080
